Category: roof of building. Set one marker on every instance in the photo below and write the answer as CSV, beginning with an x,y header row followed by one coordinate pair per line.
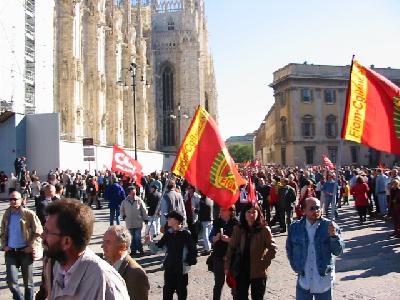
x,y
240,138
312,71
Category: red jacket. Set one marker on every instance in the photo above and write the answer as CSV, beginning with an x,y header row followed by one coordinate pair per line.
x,y
360,193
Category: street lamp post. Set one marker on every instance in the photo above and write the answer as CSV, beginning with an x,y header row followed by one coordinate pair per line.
x,y
179,116
132,69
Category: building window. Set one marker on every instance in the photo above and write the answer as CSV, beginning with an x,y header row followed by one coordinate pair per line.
x,y
283,127
330,96
168,107
331,127
171,25
283,156
354,153
332,154
306,95
308,126
309,155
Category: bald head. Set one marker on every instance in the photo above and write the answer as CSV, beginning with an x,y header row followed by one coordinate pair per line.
x,y
312,201
312,209
49,191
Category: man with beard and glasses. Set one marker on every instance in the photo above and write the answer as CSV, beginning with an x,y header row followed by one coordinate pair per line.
x,y
77,272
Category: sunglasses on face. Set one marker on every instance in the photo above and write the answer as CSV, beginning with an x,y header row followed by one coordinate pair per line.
x,y
315,207
14,199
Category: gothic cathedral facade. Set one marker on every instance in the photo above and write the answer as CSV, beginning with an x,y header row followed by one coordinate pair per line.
x,y
131,71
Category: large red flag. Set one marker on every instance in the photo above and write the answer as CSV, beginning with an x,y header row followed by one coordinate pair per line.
x,y
204,161
372,112
124,163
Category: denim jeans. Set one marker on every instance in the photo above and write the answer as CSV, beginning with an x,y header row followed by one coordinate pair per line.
x,y
136,243
206,229
14,260
114,215
382,204
302,294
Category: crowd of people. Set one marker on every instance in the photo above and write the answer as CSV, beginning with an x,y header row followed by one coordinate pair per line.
x,y
168,213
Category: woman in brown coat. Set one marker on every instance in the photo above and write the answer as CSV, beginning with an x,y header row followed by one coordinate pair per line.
x,y
250,253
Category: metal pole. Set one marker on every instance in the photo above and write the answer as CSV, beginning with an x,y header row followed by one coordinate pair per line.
x,y
340,150
133,70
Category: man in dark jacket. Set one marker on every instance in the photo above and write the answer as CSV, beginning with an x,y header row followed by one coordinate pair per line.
x,y
181,253
152,200
114,194
287,198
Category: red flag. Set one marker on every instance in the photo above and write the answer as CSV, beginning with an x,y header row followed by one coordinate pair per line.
x,y
372,111
205,162
124,163
251,193
327,162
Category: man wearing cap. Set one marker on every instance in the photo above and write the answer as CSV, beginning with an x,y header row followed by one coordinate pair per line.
x,y
180,255
20,239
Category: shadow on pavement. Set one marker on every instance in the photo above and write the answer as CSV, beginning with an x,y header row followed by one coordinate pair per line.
x,y
372,254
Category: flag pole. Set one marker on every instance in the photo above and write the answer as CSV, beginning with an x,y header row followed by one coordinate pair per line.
x,y
340,150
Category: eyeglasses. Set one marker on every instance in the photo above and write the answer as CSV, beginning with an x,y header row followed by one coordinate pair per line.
x,y
14,199
315,207
47,232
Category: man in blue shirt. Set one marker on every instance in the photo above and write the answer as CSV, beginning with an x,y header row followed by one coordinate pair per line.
x,y
114,194
20,239
311,247
330,189
380,190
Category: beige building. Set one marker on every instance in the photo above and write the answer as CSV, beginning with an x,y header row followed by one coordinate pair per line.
x,y
129,71
305,120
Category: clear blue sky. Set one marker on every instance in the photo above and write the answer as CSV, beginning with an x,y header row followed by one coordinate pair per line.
x,y
250,40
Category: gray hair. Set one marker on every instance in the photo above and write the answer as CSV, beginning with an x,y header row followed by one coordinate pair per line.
x,y
122,234
49,188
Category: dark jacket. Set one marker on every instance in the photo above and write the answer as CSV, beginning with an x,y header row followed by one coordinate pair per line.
x,y
152,201
137,282
287,196
220,247
114,194
205,210
181,250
